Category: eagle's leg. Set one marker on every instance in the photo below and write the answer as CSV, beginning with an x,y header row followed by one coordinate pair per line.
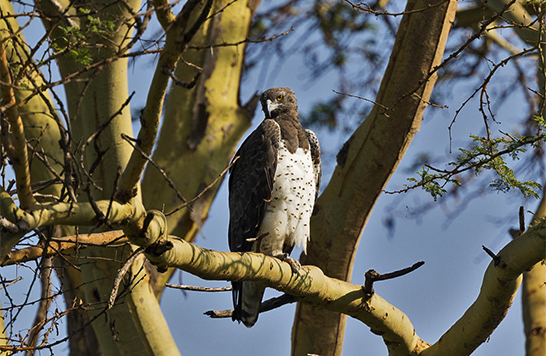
x,y
294,264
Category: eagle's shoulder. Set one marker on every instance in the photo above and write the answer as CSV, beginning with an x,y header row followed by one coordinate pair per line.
x,y
315,156
267,133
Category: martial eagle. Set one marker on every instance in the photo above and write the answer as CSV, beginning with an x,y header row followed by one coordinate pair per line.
x,y
273,186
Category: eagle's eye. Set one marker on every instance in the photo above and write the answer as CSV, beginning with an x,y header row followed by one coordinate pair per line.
x,y
279,98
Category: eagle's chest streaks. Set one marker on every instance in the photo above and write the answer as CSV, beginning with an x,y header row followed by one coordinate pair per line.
x,y
287,215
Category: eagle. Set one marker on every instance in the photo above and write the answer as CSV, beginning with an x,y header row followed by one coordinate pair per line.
x,y
273,184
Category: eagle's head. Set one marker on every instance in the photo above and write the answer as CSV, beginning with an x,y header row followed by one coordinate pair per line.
x,y
276,101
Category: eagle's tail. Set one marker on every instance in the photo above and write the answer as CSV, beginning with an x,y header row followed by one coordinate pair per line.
x,y
247,298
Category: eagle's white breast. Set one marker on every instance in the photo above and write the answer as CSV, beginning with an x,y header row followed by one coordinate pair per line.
x,y
289,211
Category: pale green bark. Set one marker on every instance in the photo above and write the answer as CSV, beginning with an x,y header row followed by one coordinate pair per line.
x,y
311,286
40,122
144,307
3,338
47,214
12,131
533,289
101,98
533,296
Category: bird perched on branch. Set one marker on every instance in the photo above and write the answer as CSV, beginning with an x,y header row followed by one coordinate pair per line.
x,y
273,185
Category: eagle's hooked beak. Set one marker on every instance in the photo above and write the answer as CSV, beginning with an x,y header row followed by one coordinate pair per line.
x,y
271,106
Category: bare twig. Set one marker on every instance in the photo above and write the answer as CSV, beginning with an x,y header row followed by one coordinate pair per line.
x,y
183,84
361,98
206,188
122,272
372,276
521,220
367,9
486,81
47,244
246,40
53,319
159,169
4,284
45,302
496,259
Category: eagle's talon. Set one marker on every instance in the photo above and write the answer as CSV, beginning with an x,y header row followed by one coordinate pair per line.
x,y
294,264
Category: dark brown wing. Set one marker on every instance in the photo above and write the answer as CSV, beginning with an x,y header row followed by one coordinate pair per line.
x,y
250,188
251,184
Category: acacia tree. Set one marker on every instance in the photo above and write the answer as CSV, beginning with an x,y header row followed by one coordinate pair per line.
x,y
80,179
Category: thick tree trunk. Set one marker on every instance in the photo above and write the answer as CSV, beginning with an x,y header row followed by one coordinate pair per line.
x,y
533,296
367,161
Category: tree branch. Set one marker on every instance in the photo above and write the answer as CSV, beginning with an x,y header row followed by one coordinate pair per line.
x,y
533,295
199,289
47,214
314,288
310,286
56,245
246,40
121,273
17,147
60,213
45,302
